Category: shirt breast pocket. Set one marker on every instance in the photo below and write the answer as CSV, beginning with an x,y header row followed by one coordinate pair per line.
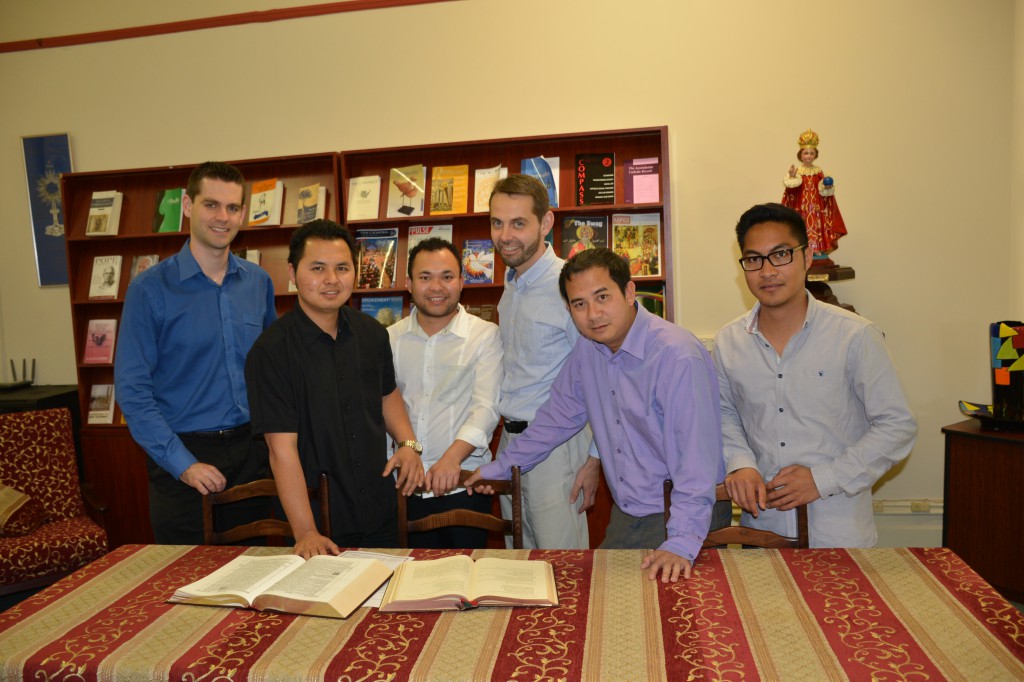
x,y
821,392
252,327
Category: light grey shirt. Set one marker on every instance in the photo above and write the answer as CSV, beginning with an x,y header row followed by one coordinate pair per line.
x,y
832,403
537,335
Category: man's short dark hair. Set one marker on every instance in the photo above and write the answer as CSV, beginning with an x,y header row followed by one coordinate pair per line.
x,y
328,230
771,213
600,257
432,244
215,170
525,185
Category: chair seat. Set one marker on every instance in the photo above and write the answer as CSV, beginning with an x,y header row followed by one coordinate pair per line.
x,y
54,549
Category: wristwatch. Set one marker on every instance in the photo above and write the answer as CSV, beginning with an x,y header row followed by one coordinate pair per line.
x,y
414,444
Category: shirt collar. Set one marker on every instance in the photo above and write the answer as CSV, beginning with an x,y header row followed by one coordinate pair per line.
x,y
458,325
310,332
636,338
547,260
188,266
751,323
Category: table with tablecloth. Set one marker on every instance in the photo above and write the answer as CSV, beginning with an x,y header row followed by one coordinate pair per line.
x,y
899,614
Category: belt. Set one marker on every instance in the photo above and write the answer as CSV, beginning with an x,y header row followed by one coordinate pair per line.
x,y
513,426
222,433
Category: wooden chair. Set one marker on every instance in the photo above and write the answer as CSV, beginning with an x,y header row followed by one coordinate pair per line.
x,y
466,517
264,487
751,537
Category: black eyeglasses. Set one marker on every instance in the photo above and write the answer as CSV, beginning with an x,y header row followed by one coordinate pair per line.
x,y
776,258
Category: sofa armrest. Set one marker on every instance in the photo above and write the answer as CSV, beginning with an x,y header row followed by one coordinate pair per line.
x,y
95,506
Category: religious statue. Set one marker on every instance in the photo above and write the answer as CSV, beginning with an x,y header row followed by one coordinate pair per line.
x,y
812,193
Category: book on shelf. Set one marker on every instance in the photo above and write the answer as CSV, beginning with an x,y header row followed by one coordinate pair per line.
x,y
104,214
385,309
418,233
265,202
456,583
312,203
99,342
101,404
478,261
652,297
595,179
327,586
405,191
641,183
378,252
637,238
449,190
545,169
106,277
485,311
169,210
364,198
483,184
143,262
580,233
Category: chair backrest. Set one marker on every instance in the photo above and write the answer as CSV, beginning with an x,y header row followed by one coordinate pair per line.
x,y
751,537
466,517
37,457
264,487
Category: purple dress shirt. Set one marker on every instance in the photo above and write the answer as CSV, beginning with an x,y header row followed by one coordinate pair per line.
x,y
654,410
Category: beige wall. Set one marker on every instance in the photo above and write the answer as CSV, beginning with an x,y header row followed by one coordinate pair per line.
x,y
913,100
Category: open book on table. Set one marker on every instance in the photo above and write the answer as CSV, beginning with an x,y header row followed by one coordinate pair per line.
x,y
327,586
458,582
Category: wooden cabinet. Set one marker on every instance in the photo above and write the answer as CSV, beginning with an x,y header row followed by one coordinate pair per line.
x,y
984,521
112,461
626,145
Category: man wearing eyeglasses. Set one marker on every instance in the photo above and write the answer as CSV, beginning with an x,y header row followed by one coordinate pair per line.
x,y
812,409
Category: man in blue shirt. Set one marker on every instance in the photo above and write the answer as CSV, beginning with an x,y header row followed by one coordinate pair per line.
x,y
188,323
649,390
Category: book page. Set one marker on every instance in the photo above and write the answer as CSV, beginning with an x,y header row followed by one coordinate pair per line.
x,y
319,578
245,576
433,578
513,579
392,561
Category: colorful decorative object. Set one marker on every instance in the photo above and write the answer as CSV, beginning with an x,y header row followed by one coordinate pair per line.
x,y
1006,352
47,157
812,193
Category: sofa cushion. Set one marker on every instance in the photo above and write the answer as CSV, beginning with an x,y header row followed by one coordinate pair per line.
x,y
54,549
19,513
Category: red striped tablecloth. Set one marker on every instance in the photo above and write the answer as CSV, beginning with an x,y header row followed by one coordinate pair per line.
x,y
878,614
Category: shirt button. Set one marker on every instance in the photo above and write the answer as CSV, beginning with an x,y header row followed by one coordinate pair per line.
x,y
781,410
783,444
617,421
613,392
780,376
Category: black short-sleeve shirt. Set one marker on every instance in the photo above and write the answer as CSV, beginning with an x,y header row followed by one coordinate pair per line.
x,y
329,392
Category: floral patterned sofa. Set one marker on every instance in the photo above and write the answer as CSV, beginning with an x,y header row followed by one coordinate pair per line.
x,y
44,531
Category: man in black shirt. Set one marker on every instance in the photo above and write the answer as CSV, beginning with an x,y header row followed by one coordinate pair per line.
x,y
322,391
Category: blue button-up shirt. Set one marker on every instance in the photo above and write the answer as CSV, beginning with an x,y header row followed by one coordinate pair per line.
x,y
653,406
181,350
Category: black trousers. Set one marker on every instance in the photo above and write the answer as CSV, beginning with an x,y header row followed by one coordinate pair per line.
x,y
453,537
176,510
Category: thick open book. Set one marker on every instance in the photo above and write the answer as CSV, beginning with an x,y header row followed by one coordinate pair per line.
x,y
458,582
327,586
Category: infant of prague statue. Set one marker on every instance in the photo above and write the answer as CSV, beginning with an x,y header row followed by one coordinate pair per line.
x,y
812,193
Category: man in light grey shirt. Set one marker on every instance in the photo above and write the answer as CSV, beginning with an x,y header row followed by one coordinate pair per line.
x,y
812,409
537,335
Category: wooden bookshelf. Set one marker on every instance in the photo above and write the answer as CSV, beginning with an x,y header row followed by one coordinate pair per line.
x,y
112,462
625,144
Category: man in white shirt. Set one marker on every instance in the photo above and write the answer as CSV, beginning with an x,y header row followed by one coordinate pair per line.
x,y
537,335
448,367
812,410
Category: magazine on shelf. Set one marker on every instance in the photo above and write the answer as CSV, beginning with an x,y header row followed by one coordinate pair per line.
x,y
637,238
378,253
104,214
106,277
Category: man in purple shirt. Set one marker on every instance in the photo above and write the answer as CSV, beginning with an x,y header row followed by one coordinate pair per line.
x,y
650,392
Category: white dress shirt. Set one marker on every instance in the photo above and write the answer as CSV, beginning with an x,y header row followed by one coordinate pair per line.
x,y
450,383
